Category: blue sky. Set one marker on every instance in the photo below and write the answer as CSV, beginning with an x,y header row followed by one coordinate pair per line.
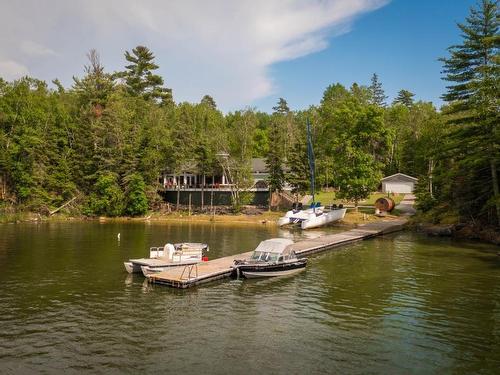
x,y
401,42
243,53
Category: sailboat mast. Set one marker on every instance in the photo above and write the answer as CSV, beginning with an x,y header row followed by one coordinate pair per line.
x,y
310,156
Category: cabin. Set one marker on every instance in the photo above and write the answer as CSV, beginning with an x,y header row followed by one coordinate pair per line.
x,y
398,183
190,178
189,185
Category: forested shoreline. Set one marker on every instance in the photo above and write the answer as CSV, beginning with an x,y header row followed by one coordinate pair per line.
x,y
105,140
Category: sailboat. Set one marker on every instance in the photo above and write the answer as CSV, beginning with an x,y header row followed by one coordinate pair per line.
x,y
316,215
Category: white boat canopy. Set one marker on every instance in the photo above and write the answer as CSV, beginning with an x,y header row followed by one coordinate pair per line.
x,y
274,245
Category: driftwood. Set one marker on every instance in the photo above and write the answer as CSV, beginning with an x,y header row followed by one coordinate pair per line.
x,y
64,205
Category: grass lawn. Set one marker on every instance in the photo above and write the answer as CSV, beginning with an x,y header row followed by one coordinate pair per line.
x,y
328,197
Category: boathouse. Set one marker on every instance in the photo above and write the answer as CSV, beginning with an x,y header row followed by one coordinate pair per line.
x,y
398,183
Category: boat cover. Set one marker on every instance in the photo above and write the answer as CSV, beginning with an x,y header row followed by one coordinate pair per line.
x,y
274,245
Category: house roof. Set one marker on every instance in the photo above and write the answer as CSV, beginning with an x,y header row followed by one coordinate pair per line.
x,y
400,176
259,165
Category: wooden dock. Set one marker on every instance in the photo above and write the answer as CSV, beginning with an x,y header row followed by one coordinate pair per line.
x,y
188,276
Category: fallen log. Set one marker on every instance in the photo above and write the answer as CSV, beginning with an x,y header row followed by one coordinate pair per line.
x,y
64,205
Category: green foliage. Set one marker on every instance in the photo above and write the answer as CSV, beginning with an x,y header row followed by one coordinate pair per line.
x,y
377,94
357,175
281,107
135,195
356,138
139,77
425,200
405,98
107,197
473,70
95,87
110,131
238,153
33,143
275,156
209,101
298,174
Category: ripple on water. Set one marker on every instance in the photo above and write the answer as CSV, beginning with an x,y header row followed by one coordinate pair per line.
x,y
402,304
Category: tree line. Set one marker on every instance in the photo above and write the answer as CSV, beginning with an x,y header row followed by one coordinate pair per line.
x,y
108,137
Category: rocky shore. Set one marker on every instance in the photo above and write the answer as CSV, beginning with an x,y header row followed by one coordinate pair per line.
x,y
462,231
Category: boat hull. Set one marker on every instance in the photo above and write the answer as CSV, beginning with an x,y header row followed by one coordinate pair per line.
x,y
272,270
309,219
326,218
131,267
294,217
148,270
156,264
254,275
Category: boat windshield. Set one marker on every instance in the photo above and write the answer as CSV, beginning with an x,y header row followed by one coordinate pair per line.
x,y
265,256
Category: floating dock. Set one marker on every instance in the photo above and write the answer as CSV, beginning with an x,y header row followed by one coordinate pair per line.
x,y
188,276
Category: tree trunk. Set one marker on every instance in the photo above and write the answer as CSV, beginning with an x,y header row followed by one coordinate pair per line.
x,y
496,192
64,205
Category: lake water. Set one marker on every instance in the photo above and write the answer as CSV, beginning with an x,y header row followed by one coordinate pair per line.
x,y
401,304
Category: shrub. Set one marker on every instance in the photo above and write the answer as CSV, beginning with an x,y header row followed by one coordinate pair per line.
x,y
107,198
135,195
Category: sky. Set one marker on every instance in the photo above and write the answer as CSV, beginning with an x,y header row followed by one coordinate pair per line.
x,y
245,53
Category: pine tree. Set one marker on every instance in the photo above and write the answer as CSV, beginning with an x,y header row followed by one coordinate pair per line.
x,y
281,107
473,69
378,96
95,87
298,174
404,97
209,101
139,77
274,159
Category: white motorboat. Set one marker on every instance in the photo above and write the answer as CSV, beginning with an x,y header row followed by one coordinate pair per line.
x,y
272,257
170,255
312,217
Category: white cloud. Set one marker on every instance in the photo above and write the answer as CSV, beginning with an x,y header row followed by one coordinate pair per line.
x,y
31,48
221,47
10,70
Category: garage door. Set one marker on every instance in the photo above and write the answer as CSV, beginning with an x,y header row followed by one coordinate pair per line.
x,y
399,187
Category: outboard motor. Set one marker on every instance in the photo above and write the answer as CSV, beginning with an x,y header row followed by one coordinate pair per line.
x,y
299,206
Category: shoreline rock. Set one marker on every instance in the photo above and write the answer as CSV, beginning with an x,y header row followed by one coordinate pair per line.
x,y
462,231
